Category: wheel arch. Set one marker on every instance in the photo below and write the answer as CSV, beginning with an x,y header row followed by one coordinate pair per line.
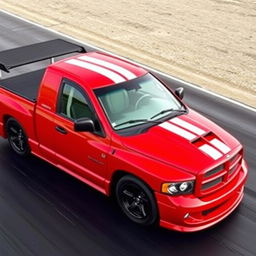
x,y
118,174
5,118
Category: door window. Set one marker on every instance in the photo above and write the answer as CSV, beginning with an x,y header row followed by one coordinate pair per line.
x,y
73,104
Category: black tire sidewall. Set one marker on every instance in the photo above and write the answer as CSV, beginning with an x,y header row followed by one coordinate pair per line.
x,y
151,219
26,151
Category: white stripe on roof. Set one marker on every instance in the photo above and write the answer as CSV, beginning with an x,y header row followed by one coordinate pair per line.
x,y
177,130
126,73
187,126
220,145
210,151
103,71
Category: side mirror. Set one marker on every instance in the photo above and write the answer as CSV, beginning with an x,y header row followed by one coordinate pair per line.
x,y
84,125
179,92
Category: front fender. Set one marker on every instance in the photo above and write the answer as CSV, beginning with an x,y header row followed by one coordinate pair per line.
x,y
152,172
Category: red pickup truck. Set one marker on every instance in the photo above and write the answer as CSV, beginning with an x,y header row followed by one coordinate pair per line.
x,y
119,129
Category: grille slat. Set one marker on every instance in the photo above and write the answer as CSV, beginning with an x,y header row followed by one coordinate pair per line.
x,y
232,170
211,183
214,171
234,161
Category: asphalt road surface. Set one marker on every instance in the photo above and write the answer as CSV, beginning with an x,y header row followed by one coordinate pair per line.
x,y
44,211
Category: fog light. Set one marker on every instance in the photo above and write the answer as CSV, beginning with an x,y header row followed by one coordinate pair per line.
x,y
186,215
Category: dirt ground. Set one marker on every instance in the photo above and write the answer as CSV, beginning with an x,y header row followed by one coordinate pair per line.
x,y
211,43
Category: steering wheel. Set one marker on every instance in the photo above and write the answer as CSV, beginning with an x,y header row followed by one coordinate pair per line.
x,y
141,99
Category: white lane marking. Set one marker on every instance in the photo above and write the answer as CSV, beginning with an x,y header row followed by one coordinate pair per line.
x,y
194,86
212,152
220,145
177,130
126,73
103,71
187,126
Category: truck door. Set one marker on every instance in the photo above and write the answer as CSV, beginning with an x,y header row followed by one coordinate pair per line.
x,y
82,154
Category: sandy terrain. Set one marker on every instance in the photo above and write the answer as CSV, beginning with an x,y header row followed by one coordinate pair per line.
x,y
208,42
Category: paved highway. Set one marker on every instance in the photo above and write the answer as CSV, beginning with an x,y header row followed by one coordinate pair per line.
x,y
44,211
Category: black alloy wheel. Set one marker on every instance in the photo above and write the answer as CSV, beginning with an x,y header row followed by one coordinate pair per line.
x,y
17,138
136,200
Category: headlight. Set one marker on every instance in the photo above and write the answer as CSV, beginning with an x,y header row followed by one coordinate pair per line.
x,y
178,188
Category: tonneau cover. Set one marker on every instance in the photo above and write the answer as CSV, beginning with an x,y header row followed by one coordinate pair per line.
x,y
36,52
25,85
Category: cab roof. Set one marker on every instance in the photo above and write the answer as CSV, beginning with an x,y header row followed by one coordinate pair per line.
x,y
98,70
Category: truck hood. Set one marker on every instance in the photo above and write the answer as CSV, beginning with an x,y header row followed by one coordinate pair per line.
x,y
189,142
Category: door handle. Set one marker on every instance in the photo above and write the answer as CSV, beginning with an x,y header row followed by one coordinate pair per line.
x,y
61,129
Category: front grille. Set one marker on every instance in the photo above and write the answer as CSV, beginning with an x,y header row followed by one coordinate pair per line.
x,y
216,178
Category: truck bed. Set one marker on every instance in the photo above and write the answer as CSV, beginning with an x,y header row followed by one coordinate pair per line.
x,y
25,85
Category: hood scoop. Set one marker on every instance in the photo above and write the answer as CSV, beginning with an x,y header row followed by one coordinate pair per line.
x,y
211,145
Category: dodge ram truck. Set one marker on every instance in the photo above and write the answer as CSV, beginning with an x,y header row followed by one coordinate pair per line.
x,y
118,128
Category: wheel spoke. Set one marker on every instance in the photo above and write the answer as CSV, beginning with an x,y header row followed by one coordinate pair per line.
x,y
14,138
142,210
21,143
132,206
143,198
13,130
128,193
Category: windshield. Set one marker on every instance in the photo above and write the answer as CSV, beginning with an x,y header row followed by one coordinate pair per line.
x,y
137,101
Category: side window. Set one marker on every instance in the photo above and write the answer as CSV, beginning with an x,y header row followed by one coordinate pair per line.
x,y
72,103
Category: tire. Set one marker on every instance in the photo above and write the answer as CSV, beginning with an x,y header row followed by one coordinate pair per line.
x,y
17,138
136,200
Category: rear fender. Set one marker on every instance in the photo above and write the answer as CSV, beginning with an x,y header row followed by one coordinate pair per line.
x,y
20,109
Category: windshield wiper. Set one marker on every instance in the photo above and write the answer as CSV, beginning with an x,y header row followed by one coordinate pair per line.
x,y
137,121
169,110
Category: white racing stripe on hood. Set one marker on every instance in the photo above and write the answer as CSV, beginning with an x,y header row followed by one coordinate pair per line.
x,y
103,71
187,126
126,73
211,151
177,130
220,145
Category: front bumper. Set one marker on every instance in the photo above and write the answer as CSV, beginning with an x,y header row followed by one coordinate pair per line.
x,y
189,213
